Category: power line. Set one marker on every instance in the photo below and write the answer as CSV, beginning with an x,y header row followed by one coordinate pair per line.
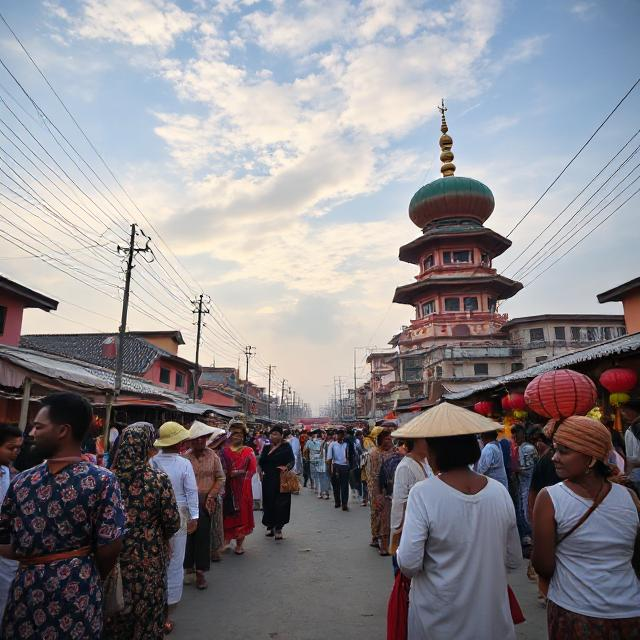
x,y
562,240
584,237
532,242
582,148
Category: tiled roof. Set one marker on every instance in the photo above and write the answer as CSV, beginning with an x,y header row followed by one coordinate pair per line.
x,y
138,354
626,344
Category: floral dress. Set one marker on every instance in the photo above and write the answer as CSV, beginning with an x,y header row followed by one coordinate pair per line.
x,y
152,518
46,513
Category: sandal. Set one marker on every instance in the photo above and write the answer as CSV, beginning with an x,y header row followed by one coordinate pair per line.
x,y
168,627
384,553
269,533
239,552
279,535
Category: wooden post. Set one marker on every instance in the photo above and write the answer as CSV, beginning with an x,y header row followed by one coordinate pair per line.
x,y
107,423
24,407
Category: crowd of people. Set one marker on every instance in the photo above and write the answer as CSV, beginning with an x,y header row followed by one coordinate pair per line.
x,y
456,500
92,552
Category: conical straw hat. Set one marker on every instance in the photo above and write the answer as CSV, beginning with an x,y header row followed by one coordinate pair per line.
x,y
446,420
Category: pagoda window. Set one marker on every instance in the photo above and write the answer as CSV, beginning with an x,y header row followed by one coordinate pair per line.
x,y
428,308
481,369
428,262
165,375
456,257
560,333
452,304
492,304
3,317
471,303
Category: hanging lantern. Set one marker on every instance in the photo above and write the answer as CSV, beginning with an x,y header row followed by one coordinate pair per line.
x,y
484,408
514,402
560,394
619,380
616,399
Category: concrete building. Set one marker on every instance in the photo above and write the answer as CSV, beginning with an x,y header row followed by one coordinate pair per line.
x,y
14,299
629,294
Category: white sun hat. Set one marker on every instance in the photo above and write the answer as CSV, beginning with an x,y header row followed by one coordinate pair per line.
x,y
199,429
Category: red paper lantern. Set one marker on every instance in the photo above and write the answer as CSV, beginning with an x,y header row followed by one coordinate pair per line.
x,y
483,408
513,402
560,394
619,380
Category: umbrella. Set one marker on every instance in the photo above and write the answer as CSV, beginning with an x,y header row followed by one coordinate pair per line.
x,y
446,420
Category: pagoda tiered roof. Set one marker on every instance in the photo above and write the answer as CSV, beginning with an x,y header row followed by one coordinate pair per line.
x,y
501,286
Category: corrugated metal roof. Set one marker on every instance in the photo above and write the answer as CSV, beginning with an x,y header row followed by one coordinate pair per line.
x,y
80,373
137,355
626,344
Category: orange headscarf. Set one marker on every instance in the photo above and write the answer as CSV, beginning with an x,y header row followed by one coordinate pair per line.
x,y
584,435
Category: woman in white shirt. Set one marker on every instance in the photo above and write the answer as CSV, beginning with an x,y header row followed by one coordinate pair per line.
x,y
411,469
459,536
585,530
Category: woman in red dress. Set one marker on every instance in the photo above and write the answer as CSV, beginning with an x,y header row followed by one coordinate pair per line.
x,y
239,463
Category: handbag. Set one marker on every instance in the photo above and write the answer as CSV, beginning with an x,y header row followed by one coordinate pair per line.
x,y
229,505
398,609
514,607
112,592
289,482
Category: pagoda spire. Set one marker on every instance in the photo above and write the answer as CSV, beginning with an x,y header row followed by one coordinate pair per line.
x,y
446,142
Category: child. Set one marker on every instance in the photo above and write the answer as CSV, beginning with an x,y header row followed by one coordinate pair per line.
x,y
10,443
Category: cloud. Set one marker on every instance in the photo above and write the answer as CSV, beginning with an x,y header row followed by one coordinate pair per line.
x,y
155,23
584,10
282,115
500,123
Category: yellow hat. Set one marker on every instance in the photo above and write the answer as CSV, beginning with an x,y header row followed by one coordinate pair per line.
x,y
445,420
171,433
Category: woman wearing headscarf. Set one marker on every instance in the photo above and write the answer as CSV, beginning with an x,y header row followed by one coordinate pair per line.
x,y
275,458
152,518
217,519
459,536
585,532
380,501
239,464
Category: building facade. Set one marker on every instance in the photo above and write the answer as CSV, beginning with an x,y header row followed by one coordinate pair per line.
x,y
458,335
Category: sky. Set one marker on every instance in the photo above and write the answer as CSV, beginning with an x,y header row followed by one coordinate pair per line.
x,y
270,149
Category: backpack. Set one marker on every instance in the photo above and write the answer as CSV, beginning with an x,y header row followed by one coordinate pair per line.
x,y
388,472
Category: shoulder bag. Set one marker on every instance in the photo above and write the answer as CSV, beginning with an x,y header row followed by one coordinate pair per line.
x,y
289,482
112,592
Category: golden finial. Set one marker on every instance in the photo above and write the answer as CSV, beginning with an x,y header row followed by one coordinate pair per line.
x,y
446,142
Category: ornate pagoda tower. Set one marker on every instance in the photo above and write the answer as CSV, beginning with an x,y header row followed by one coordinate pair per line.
x,y
456,292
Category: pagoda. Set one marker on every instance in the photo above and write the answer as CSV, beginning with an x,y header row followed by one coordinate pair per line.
x,y
457,290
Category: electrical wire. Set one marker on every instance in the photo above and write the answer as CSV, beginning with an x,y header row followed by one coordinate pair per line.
x,y
537,237
582,148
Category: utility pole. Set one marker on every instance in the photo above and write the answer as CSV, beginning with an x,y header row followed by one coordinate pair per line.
x,y
130,252
355,388
269,396
282,413
293,406
248,352
373,390
340,387
200,310
289,410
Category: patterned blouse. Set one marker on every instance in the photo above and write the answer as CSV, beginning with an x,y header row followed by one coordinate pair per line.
x,y
45,513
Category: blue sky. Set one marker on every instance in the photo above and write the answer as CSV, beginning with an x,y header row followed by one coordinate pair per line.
x,y
276,145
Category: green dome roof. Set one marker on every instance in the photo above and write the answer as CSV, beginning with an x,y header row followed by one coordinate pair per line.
x,y
449,197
